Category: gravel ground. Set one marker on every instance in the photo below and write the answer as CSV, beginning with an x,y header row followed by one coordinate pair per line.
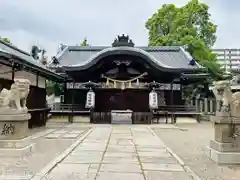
x,y
189,144
45,150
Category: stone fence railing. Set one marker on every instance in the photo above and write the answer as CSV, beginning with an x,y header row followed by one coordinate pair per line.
x,y
205,105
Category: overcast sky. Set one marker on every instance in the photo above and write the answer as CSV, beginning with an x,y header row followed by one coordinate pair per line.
x,y
50,22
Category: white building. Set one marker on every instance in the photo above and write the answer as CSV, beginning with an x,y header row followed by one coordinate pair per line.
x,y
229,59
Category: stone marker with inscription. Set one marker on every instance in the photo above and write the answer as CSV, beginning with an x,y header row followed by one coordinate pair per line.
x,y
225,147
14,118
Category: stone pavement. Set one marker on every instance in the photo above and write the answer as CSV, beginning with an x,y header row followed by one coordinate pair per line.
x,y
119,152
50,142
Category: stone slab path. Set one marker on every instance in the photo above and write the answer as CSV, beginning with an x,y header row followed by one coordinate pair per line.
x,y
119,152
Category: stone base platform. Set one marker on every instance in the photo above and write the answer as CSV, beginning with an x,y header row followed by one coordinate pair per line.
x,y
14,126
14,140
223,153
20,147
225,158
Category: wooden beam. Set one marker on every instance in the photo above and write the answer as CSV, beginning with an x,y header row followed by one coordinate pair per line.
x,y
13,70
37,78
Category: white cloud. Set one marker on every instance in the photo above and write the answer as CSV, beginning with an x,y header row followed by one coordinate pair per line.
x,y
58,21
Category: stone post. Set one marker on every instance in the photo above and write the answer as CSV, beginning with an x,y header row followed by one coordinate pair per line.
x,y
191,102
218,105
201,105
211,105
206,106
197,104
225,146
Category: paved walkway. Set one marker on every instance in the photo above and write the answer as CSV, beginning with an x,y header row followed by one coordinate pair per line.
x,y
119,152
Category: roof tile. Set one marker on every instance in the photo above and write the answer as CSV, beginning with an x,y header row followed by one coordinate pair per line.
x,y
171,56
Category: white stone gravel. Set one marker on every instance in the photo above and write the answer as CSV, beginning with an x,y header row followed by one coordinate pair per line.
x,y
190,143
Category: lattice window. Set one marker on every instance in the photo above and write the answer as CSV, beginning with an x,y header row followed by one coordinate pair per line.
x,y
161,98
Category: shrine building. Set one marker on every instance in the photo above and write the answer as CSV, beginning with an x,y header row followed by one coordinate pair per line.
x,y
124,77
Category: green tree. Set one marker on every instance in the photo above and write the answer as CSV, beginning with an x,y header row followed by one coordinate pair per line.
x,y
5,40
54,88
35,50
43,60
188,26
84,42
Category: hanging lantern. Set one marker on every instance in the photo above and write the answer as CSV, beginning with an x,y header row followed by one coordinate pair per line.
x,y
153,100
90,101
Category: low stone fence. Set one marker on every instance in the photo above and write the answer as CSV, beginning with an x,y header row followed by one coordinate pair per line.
x,y
207,106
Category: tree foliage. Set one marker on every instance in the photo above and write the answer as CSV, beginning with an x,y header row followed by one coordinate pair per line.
x,y
188,26
43,59
84,42
54,88
35,50
5,40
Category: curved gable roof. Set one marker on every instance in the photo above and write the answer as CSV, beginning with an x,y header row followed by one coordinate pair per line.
x,y
119,50
163,57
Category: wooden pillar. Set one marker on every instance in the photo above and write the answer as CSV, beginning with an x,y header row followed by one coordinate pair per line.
x,y
13,70
172,115
65,91
73,96
37,79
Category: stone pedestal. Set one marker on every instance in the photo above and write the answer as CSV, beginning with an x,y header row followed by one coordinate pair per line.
x,y
14,140
121,117
224,148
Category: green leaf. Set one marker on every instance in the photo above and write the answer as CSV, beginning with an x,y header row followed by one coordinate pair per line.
x,y
84,42
6,40
188,25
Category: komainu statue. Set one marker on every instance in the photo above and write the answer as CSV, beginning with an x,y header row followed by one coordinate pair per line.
x,y
15,98
230,101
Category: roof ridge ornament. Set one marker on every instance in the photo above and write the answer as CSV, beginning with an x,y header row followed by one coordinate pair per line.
x,y
122,40
192,62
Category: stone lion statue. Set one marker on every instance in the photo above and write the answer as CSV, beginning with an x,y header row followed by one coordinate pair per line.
x,y
15,98
230,101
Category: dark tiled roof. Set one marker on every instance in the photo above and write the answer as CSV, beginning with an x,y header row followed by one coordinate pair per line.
x,y
173,57
26,58
10,49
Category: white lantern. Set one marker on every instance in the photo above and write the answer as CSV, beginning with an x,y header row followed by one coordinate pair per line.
x,y
153,100
90,101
